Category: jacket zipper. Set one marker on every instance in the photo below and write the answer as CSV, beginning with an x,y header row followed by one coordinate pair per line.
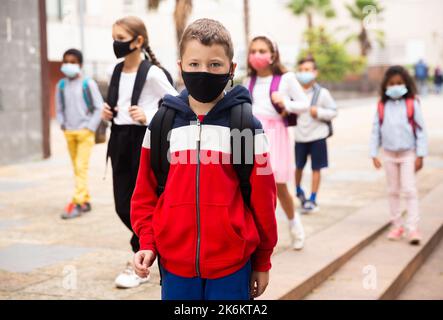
x,y
197,256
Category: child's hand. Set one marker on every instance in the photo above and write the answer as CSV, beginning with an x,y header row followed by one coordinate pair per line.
x,y
418,164
137,114
107,112
314,112
377,163
277,99
142,261
259,282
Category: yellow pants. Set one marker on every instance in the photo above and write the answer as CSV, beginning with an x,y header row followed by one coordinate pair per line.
x,y
80,143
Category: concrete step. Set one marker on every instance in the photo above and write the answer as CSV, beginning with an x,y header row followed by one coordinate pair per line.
x,y
383,268
427,283
296,273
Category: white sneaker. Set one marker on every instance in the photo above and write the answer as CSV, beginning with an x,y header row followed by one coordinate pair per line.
x,y
129,279
297,233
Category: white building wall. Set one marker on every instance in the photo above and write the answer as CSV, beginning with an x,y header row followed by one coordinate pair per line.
x,y
414,29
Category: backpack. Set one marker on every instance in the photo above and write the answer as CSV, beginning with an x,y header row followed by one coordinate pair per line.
x,y
317,89
161,124
291,119
100,133
409,113
140,80
87,96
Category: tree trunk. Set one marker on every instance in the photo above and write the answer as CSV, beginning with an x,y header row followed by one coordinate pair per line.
x,y
365,45
183,9
153,4
310,20
246,22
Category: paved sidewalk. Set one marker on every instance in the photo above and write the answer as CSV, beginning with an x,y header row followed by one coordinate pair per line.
x,y
44,257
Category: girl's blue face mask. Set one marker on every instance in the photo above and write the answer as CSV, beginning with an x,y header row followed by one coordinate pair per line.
x,y
305,77
397,91
71,70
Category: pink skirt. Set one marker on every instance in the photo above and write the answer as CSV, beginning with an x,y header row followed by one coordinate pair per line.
x,y
281,149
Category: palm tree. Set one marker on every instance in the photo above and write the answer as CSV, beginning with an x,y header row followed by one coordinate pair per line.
x,y
360,11
311,7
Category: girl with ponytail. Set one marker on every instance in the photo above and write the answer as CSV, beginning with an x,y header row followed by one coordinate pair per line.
x,y
129,121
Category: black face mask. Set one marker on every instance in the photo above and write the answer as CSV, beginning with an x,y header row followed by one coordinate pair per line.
x,y
204,86
122,49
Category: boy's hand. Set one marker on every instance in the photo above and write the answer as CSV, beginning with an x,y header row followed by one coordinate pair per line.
x,y
314,112
377,163
259,282
277,99
107,112
418,164
137,114
142,261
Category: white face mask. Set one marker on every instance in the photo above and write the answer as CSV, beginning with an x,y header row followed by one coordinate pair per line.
x,y
70,70
397,91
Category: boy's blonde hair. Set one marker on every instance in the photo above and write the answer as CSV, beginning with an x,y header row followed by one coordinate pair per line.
x,y
208,32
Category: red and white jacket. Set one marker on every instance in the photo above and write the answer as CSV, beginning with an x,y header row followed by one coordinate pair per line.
x,y
200,225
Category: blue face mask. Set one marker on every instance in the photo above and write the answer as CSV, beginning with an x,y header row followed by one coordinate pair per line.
x,y
396,92
305,77
70,70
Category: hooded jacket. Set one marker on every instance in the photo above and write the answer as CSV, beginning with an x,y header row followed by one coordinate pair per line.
x,y
200,225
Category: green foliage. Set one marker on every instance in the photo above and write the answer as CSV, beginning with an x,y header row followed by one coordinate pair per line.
x,y
362,11
333,61
306,7
361,8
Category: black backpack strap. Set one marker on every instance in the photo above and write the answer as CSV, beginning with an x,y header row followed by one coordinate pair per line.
x,y
241,119
112,97
161,125
140,80
317,89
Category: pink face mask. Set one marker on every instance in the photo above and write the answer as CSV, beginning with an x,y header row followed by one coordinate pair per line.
x,y
260,60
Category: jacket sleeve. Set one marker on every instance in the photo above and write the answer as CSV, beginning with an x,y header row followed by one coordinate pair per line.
x,y
263,202
144,198
375,141
295,99
327,109
421,140
60,116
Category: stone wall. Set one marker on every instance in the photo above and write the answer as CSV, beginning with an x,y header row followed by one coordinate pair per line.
x,y
21,137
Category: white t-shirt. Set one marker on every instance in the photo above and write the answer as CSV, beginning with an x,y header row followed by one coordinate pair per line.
x,y
155,88
295,99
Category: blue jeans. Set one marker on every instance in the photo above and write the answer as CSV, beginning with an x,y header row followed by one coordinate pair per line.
x,y
231,287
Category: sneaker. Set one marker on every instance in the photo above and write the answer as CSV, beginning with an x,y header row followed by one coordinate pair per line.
x,y
310,206
129,279
414,237
301,196
297,234
86,207
72,210
396,233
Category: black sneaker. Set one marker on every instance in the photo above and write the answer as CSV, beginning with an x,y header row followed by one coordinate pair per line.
x,y
301,196
72,211
86,207
310,206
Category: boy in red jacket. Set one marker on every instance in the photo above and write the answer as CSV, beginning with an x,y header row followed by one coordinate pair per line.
x,y
210,242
